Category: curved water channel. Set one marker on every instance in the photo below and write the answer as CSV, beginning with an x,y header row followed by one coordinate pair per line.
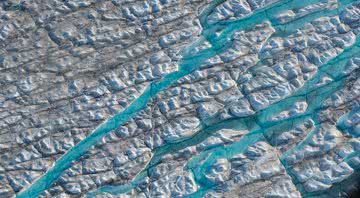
x,y
258,124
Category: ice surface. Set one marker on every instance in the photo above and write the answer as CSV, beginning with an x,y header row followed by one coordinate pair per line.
x,y
190,98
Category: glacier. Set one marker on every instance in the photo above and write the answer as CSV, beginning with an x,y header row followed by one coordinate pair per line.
x,y
193,98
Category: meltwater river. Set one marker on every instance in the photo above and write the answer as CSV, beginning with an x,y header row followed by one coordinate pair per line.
x,y
190,63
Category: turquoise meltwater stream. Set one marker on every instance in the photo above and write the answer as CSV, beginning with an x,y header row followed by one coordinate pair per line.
x,y
259,123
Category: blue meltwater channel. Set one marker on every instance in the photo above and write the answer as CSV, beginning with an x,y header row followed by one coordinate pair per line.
x,y
188,64
313,96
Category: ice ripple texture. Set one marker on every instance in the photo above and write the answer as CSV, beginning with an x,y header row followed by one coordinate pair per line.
x,y
179,98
